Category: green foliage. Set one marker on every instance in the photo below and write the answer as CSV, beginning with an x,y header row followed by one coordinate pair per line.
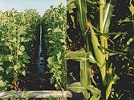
x,y
54,23
123,43
16,33
106,39
78,88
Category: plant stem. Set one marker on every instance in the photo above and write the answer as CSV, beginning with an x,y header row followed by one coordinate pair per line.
x,y
103,40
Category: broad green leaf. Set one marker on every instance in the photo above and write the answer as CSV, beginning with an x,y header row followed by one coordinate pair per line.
x,y
12,40
51,41
26,60
93,89
22,48
62,40
95,97
90,57
76,55
7,44
10,57
72,18
19,52
76,87
9,69
82,13
58,56
2,83
108,9
99,56
25,55
107,33
57,30
86,94
84,73
70,1
97,52
109,88
23,72
22,39
131,8
70,7
49,60
15,67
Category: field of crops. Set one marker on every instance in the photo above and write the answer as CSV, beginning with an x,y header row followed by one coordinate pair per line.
x,y
22,34
86,47
18,30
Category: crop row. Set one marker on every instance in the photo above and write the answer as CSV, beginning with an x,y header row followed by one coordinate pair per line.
x,y
54,24
17,33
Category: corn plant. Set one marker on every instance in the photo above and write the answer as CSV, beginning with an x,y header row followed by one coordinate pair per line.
x,y
95,49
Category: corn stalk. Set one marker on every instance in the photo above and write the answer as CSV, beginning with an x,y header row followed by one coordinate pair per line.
x,y
108,76
83,56
97,45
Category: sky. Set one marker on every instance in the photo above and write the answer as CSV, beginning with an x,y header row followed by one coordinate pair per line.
x,y
40,5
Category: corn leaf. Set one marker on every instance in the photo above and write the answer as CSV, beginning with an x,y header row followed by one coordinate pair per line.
x,y
76,87
107,33
86,94
91,58
81,5
99,56
95,97
85,73
111,52
97,52
109,88
80,56
94,90
70,1
76,55
108,9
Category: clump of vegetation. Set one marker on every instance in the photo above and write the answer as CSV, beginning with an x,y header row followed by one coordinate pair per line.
x,y
101,37
17,32
54,24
